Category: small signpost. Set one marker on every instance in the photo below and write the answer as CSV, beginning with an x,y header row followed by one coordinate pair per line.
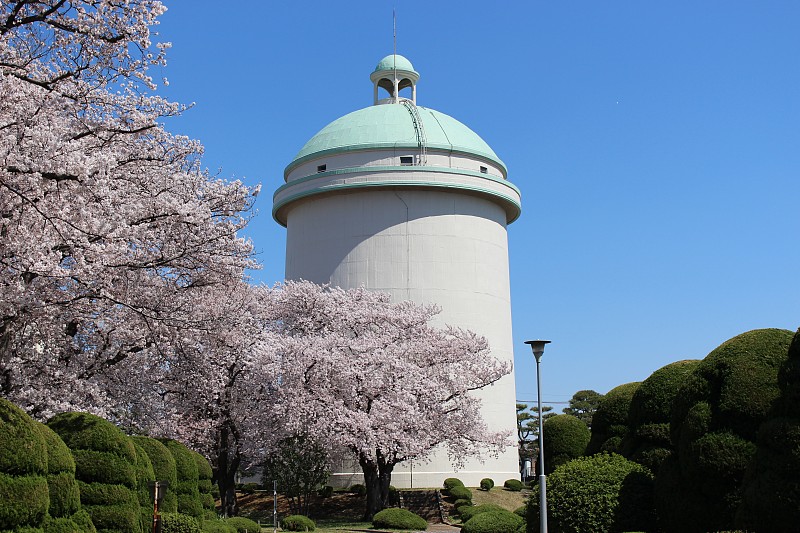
x,y
157,491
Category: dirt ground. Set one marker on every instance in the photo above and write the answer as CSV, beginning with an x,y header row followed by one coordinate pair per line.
x,y
344,506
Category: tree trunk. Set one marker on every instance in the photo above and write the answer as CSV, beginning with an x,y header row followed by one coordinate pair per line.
x,y
372,483
377,478
227,464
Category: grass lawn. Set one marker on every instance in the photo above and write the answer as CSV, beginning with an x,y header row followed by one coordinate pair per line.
x,y
499,496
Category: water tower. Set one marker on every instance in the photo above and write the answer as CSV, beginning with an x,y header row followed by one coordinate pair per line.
x,y
404,199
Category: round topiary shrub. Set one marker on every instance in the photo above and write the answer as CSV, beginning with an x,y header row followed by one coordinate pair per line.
x,y
358,489
610,421
244,525
297,522
24,496
179,523
461,503
487,483
326,492
605,492
468,512
501,521
461,493
164,469
521,511
648,438
106,470
451,482
394,518
515,484
565,439
188,478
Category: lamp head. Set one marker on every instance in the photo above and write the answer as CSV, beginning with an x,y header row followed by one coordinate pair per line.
x,y
537,347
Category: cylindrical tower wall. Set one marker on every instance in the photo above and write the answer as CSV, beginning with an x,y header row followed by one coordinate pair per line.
x,y
430,246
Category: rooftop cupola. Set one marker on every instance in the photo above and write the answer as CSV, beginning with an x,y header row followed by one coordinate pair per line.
x,y
394,73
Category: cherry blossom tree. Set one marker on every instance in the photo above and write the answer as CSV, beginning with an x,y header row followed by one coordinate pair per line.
x,y
377,379
110,231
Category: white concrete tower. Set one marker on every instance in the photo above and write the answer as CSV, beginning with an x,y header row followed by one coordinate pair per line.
x,y
409,201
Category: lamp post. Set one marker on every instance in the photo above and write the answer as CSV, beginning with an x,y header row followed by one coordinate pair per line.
x,y
538,349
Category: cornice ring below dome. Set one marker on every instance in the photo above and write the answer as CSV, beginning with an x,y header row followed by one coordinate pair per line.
x,y
348,180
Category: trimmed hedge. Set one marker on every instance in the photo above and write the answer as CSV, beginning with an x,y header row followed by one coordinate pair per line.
x,y
395,518
565,439
461,493
716,416
468,512
65,498
501,521
452,482
487,483
610,421
103,455
515,484
771,492
25,500
605,492
23,450
164,469
298,522
243,525
24,496
179,523
204,485
216,525
461,503
188,477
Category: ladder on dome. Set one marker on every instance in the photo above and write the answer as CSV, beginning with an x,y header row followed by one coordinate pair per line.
x,y
419,129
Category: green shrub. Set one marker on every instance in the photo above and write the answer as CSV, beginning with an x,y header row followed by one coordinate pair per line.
x,y
487,483
501,521
325,492
250,488
461,503
714,423
117,518
521,511
103,454
395,518
179,523
84,521
216,525
610,421
297,522
82,431
23,501
243,525
23,450
468,512
565,439
164,469
605,492
188,479
517,485
451,482
461,493
65,498
358,489
60,525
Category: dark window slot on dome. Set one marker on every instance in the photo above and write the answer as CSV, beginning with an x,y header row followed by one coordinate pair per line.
x,y
322,168
406,161
484,170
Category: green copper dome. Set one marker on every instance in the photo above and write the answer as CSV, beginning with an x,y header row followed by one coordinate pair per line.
x,y
391,126
389,62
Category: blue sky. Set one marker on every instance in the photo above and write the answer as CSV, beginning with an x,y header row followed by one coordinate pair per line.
x,y
656,145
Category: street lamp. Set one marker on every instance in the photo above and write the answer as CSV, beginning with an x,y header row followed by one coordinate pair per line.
x,y
538,350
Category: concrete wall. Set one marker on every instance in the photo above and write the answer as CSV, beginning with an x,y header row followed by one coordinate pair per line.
x,y
431,246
